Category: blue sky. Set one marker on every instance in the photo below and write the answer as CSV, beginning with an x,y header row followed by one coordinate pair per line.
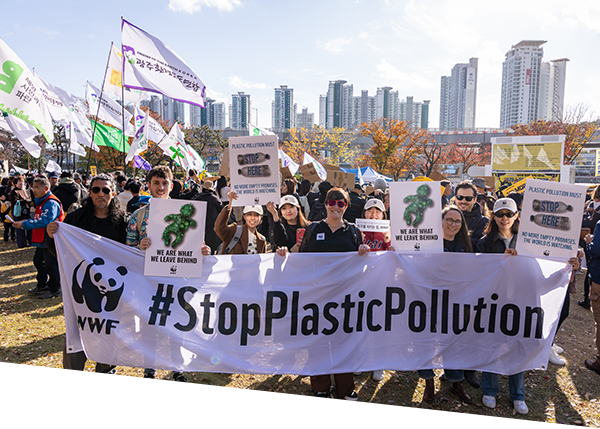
x,y
257,45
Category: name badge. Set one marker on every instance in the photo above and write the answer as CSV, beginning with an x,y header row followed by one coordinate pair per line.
x,y
321,236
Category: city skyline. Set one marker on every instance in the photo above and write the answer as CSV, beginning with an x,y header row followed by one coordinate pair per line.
x,y
405,45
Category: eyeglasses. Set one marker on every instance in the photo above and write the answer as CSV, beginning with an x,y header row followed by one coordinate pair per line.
x,y
97,189
505,214
340,203
463,197
453,222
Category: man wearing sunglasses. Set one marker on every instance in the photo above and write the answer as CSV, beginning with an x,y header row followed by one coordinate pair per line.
x,y
101,214
466,200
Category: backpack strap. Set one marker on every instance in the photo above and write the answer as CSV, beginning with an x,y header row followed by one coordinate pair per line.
x,y
234,240
310,229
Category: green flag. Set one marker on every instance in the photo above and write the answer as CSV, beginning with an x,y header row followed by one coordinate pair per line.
x,y
109,136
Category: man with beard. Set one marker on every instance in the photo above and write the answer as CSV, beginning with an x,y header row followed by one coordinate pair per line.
x,y
100,214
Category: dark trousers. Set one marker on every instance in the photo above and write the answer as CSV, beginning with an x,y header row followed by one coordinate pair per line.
x,y
344,383
21,238
76,361
47,269
9,232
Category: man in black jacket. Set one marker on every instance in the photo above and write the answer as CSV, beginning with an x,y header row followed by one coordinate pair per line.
x,y
68,192
101,214
466,200
213,208
357,204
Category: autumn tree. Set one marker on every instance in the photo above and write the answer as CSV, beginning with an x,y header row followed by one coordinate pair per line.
x,y
430,152
335,143
207,142
393,151
577,125
467,154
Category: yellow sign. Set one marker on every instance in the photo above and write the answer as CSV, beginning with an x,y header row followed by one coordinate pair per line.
x,y
597,162
518,187
93,170
527,157
513,178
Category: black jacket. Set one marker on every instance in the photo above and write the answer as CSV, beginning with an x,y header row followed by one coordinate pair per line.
x,y
213,208
476,222
355,210
68,193
493,243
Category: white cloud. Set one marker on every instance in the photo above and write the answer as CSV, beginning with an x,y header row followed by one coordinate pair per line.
x,y
191,6
236,82
336,45
399,80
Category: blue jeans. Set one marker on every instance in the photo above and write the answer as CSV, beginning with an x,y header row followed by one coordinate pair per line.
x,y
452,375
516,385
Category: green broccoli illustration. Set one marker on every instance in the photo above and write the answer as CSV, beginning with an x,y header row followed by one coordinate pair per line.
x,y
181,223
417,206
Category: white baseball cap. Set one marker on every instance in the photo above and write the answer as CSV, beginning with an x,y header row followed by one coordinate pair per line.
x,y
505,203
374,202
256,209
288,199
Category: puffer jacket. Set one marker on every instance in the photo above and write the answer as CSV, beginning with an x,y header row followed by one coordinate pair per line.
x,y
476,222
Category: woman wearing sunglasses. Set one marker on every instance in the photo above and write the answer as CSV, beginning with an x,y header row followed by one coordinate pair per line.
x,y
287,223
501,237
333,234
456,239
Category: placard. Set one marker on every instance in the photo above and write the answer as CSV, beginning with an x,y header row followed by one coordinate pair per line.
x,y
253,168
372,225
550,219
416,217
224,167
176,230
93,170
286,173
309,172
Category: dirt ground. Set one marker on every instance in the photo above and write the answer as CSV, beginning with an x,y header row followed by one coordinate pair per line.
x,y
32,333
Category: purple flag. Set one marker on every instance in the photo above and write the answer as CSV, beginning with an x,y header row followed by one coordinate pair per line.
x,y
139,162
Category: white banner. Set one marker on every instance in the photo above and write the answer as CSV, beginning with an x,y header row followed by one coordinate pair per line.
x,y
173,146
140,141
176,231
416,216
19,95
311,313
57,108
155,131
107,109
550,219
254,130
254,170
150,65
52,167
372,225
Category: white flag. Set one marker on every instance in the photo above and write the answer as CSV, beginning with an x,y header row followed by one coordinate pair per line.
x,y
57,107
140,141
109,110
286,161
155,131
150,65
19,95
74,146
25,134
256,131
173,146
52,167
113,80
360,178
320,169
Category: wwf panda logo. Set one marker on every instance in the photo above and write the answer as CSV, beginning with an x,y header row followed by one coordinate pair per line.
x,y
417,246
97,287
546,253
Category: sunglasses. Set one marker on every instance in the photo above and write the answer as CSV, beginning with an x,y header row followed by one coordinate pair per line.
x,y
340,203
463,197
505,214
97,189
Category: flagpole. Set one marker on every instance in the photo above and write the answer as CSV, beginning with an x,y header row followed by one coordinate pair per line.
x,y
87,168
123,114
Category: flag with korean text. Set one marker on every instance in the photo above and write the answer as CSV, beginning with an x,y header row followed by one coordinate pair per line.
x,y
107,109
140,141
155,130
19,95
113,79
150,65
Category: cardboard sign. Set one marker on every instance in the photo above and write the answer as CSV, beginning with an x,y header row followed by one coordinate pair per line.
x,y
254,168
340,179
309,172
551,219
416,217
437,176
286,174
176,231
372,225
224,168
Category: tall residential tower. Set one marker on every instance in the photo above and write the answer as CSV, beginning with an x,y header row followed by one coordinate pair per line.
x,y
458,97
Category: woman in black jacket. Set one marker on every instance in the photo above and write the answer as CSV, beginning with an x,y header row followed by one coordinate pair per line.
x,y
333,234
286,225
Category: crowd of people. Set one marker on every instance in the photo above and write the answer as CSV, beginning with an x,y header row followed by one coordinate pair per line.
x,y
115,206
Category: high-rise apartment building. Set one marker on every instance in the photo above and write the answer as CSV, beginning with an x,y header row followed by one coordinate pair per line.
x,y
458,96
240,111
531,89
305,119
335,104
283,109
